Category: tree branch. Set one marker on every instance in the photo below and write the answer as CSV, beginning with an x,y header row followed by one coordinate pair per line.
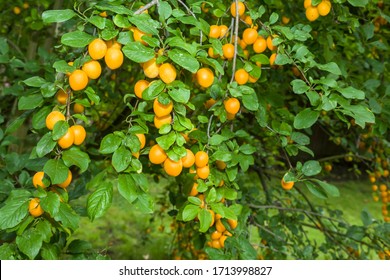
x,y
192,13
147,6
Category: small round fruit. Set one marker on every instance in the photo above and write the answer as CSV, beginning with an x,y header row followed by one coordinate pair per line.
x,y
241,76
67,181
161,110
232,223
272,59
79,134
173,168
205,77
233,8
78,80
97,49
232,105
215,31
35,208
160,121
78,108
157,155
142,140
189,159
224,31
194,190
287,185
324,8
114,58
228,51
260,45
220,164
139,87
53,118
249,36
222,240
138,34
216,235
312,13
62,97
93,69
219,226
270,45
203,172
38,180
67,140
150,68
201,159
167,73
307,3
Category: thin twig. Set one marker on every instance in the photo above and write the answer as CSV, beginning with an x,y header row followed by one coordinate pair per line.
x,y
209,127
237,21
69,92
147,6
192,13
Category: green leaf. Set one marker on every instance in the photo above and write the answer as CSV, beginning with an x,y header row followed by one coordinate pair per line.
x,y
311,168
306,118
358,3
74,156
315,190
328,188
35,81
110,143
92,95
45,145
282,59
59,130
121,21
76,39
145,23
352,93
330,67
153,90
137,52
15,209
127,187
145,203
205,219
79,246
184,60
250,102
366,217
56,170
39,118
62,66
100,200
50,252
67,216
247,149
30,102
217,139
299,86
57,15
166,141
50,203
190,211
164,10
222,155
180,95
273,18
98,21
121,158
7,251
117,9
29,243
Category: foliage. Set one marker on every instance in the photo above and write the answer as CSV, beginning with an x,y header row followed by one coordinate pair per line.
x,y
327,75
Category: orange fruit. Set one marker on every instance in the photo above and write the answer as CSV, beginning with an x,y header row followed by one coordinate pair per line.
x,y
241,76
78,108
67,182
67,140
138,34
382,187
232,105
205,77
189,159
139,87
374,188
53,118
97,49
162,110
230,116
215,31
216,235
222,240
249,36
150,68
142,140
160,121
270,45
260,45
307,3
194,190
38,180
173,168
272,59
35,208
285,20
103,14
201,159
232,223
242,44
248,20
62,97
215,244
252,79
212,217
17,10
324,8
92,69
224,30
220,164
219,226
287,185
157,155
228,51
211,54
203,172
312,13
233,8
167,73
209,103
114,58
78,80
79,134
